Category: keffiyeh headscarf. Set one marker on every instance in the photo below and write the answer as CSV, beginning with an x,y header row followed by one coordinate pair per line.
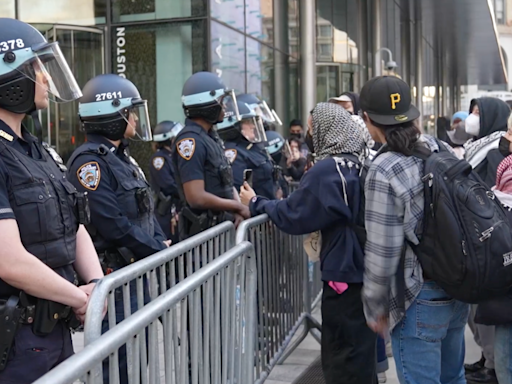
x,y
335,132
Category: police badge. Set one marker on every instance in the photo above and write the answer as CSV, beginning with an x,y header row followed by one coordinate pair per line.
x,y
186,148
89,175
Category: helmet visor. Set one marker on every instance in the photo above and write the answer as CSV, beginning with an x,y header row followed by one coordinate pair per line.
x,y
252,129
138,120
230,106
287,151
262,110
49,69
276,117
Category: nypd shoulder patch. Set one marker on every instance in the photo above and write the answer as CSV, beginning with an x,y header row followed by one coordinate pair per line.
x,y
231,155
186,148
158,162
89,175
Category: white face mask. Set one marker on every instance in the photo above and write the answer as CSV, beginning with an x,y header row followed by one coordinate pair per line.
x,y
473,124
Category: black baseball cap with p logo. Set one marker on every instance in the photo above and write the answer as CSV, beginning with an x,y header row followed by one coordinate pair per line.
x,y
387,101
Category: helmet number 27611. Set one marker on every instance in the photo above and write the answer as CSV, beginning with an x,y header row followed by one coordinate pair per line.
x,y
109,96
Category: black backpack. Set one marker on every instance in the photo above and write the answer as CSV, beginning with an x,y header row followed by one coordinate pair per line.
x,y
466,242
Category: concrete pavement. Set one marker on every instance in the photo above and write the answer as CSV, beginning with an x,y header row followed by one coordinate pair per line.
x,y
309,350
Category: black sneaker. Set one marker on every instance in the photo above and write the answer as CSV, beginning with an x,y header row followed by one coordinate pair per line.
x,y
483,376
475,367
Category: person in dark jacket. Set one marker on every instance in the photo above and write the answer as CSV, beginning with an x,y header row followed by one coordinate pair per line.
x,y
498,312
328,201
487,122
163,182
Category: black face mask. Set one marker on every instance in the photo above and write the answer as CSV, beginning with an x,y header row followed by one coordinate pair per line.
x,y
309,142
504,146
296,136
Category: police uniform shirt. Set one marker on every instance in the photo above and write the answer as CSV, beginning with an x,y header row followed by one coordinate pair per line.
x,y
192,160
162,174
106,215
26,146
244,155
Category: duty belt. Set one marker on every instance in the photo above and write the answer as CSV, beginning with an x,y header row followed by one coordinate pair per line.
x,y
111,260
43,316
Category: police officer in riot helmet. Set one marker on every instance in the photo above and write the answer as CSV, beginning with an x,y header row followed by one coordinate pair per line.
x,y
123,226
269,117
163,183
279,150
41,214
203,174
240,137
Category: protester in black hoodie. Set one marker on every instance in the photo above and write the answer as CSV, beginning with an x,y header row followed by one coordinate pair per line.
x,y
487,122
498,312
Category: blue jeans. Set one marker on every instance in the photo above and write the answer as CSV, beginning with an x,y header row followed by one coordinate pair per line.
x,y
503,353
428,343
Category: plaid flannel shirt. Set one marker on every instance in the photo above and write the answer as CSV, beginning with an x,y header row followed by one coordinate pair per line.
x,y
394,214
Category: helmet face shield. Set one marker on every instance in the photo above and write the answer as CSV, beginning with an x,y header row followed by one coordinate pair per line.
x,y
252,129
276,117
230,106
262,110
48,68
286,150
138,119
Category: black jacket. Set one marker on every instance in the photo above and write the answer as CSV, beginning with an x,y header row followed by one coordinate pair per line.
x,y
497,311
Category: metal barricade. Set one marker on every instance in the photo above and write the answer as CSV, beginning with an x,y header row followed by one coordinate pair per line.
x,y
293,186
153,276
284,292
214,346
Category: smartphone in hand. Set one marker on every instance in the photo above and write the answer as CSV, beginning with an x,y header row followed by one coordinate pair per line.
x,y
248,176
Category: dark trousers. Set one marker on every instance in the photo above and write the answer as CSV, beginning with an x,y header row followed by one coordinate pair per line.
x,y
348,345
33,356
123,358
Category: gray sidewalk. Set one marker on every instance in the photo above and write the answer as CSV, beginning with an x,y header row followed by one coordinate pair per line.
x,y
309,351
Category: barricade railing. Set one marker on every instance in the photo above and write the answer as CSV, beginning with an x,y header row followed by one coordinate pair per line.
x,y
293,186
153,276
213,346
285,285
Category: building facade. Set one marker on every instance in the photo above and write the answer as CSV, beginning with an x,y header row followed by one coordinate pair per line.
x,y
158,44
292,53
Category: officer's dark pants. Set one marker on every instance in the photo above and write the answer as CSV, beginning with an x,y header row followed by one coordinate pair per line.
x,y
123,358
349,350
32,356
165,223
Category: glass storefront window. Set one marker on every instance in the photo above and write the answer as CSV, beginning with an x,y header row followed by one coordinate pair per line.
x,y
259,69
230,12
75,12
158,59
228,59
129,10
8,8
294,111
327,82
258,13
